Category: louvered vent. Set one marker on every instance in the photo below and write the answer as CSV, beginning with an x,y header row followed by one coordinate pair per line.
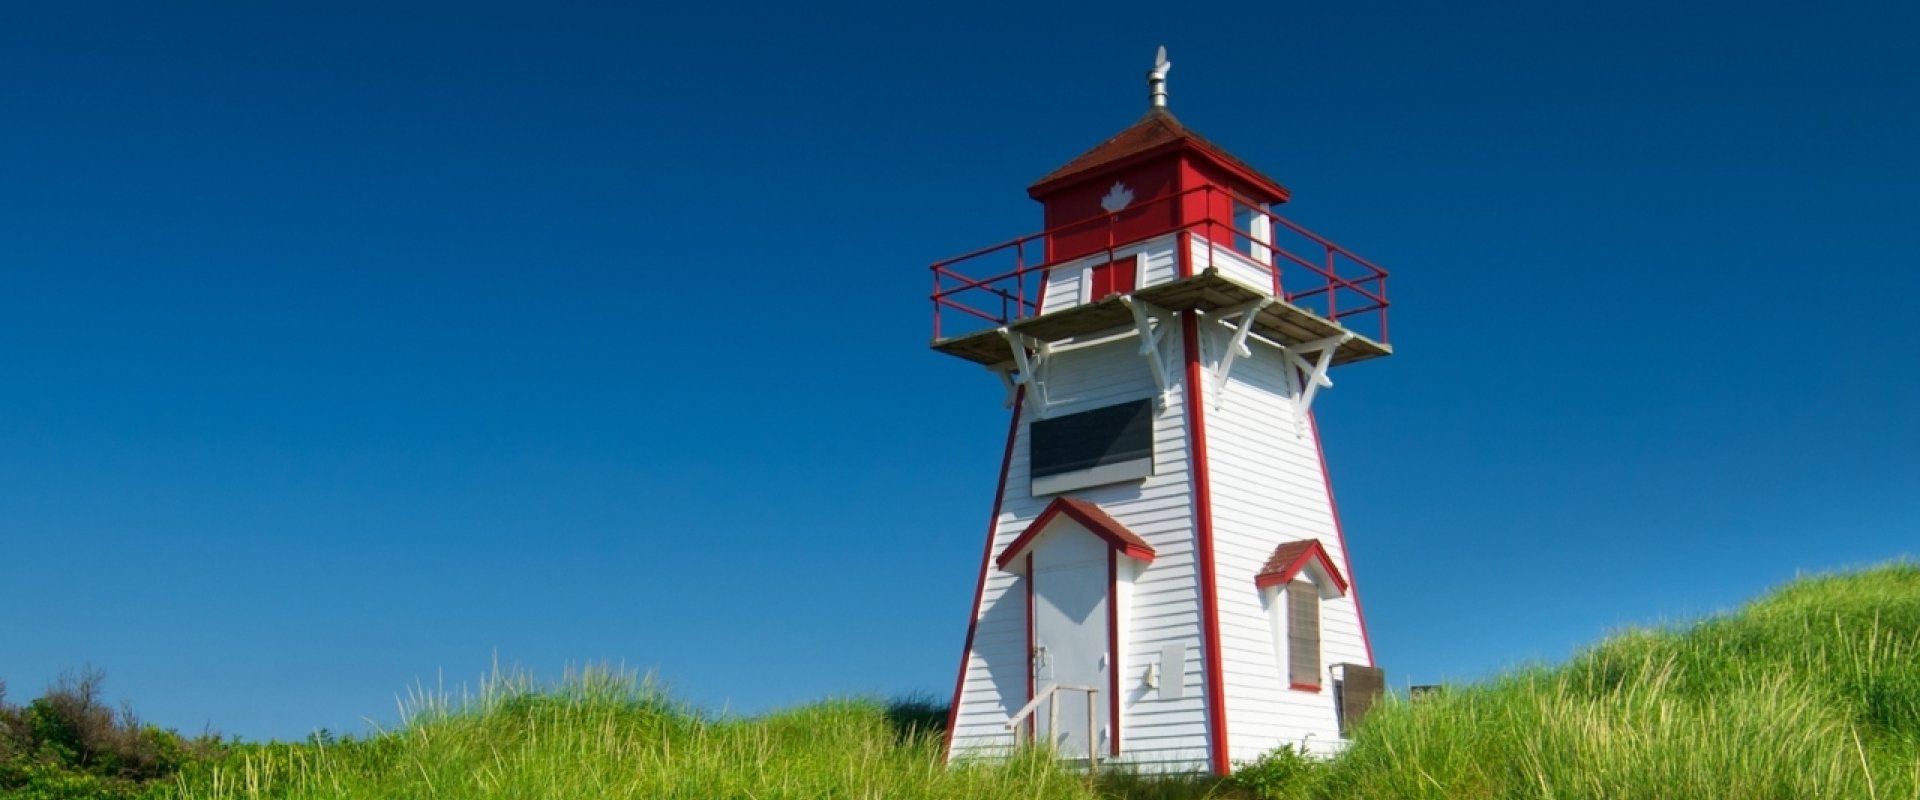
x,y
1303,634
1091,448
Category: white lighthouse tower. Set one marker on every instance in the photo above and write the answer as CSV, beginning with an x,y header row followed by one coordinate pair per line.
x,y
1165,581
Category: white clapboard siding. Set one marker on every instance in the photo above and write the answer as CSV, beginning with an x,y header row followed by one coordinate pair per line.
x,y
1161,605
1268,489
1160,266
1066,280
1230,262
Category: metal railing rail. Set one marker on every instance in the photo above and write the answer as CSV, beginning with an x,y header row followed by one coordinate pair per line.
x,y
1341,284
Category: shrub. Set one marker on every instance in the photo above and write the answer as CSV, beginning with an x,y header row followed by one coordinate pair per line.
x,y
69,744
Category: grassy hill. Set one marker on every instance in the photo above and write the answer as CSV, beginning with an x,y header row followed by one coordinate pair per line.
x,y
603,735
1810,692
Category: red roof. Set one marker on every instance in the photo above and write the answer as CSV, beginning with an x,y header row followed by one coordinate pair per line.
x,y
1289,558
1090,517
1156,132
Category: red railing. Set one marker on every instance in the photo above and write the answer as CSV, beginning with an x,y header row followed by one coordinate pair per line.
x,y
1302,267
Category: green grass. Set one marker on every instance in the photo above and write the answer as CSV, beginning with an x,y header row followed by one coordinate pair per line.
x,y
1811,692
608,735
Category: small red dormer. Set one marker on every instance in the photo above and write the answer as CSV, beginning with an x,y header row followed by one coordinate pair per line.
x,y
1153,178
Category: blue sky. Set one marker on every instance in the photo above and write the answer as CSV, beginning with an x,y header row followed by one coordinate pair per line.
x,y
346,346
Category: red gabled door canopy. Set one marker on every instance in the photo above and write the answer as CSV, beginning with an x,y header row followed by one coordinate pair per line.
x,y
1288,559
1126,542
1154,177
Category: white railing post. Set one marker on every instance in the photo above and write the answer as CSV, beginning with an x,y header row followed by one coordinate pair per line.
x,y
1053,717
1051,696
1093,734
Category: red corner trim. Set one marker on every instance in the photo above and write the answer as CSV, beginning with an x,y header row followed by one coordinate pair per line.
x,y
1341,534
986,558
1090,517
1113,650
1289,558
1203,547
1033,682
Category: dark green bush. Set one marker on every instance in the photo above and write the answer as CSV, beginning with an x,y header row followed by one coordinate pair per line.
x,y
69,745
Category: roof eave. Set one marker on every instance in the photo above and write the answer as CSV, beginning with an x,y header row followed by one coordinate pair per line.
x,y
1188,143
1314,552
1106,528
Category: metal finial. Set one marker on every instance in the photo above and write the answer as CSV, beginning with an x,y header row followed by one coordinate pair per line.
x,y
1157,79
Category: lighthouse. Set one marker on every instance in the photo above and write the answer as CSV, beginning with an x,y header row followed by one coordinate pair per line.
x,y
1164,581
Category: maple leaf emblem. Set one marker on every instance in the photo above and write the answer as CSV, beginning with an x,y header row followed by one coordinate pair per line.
x,y
1117,198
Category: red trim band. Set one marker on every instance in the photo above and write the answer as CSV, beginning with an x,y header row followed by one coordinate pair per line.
x,y
1033,684
1340,533
1305,687
1203,547
986,561
1289,558
1089,516
1113,652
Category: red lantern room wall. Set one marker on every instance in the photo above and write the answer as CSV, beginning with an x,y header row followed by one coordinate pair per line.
x,y
1164,580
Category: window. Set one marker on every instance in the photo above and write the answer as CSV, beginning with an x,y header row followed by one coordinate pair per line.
x,y
1114,277
1303,635
1295,581
1091,448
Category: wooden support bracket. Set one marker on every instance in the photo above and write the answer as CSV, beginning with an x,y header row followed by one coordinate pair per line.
x,y
1305,378
1030,359
1237,346
1152,323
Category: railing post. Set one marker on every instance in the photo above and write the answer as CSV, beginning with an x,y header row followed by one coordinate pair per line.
x,y
1213,236
1053,718
1333,286
1383,308
1020,277
1113,221
1093,735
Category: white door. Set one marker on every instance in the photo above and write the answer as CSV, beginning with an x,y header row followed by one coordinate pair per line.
x,y
1070,585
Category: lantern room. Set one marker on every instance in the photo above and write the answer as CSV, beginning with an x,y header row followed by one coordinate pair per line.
x,y
1154,220
1155,176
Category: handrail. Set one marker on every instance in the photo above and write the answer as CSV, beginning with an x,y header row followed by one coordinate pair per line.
x,y
1053,717
1333,276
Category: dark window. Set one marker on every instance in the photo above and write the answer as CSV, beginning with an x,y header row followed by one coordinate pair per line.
x,y
1104,436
